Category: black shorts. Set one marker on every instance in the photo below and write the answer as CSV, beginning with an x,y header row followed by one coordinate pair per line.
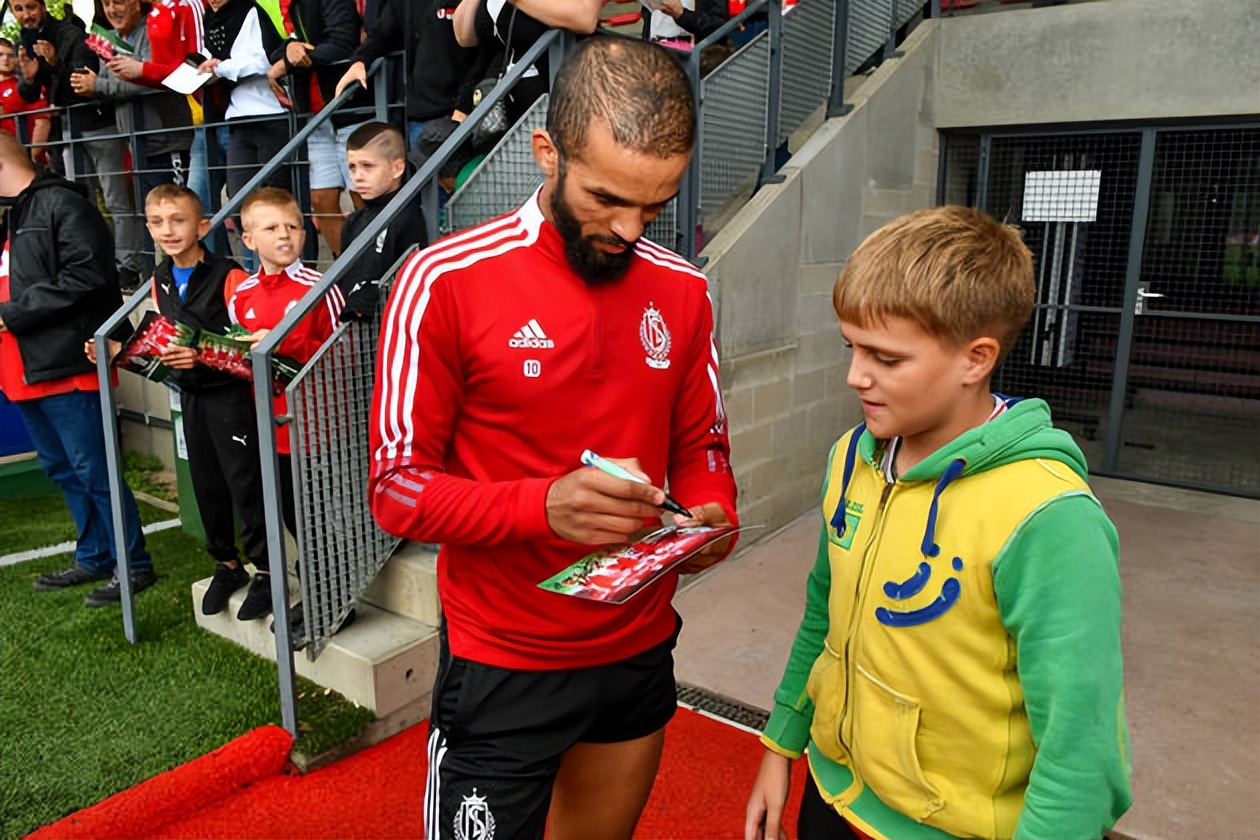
x,y
496,735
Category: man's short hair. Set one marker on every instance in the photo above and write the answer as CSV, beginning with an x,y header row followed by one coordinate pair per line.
x,y
267,197
958,273
638,90
380,137
173,193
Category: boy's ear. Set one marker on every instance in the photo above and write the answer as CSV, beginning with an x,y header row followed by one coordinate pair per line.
x,y
982,355
203,228
398,169
247,238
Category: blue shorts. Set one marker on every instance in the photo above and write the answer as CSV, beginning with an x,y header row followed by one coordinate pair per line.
x,y
326,151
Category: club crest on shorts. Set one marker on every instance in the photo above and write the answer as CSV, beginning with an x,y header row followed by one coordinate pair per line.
x,y
474,821
655,337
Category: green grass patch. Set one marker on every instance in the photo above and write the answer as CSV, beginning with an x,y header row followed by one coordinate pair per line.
x,y
45,521
84,714
140,472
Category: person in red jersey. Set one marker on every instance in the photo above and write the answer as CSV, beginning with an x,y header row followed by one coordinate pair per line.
x,y
36,128
505,351
272,226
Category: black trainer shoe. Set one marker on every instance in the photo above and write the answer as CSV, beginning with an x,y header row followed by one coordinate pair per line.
x,y
225,581
111,593
257,601
73,576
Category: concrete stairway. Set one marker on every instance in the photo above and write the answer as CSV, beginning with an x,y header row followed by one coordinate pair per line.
x,y
386,660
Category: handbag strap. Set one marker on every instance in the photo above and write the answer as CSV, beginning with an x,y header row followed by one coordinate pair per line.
x,y
507,44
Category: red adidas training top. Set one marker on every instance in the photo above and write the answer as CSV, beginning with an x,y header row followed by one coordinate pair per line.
x,y
497,366
259,303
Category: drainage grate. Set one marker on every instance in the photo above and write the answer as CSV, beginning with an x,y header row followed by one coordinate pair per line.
x,y
723,707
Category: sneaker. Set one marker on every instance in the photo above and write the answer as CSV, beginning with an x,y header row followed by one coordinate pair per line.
x,y
73,576
111,593
257,601
226,580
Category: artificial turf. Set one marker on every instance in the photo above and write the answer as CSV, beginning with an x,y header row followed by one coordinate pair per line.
x,y
35,523
84,714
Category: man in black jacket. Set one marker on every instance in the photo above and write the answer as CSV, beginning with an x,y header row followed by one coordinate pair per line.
x,y
325,32
60,287
440,69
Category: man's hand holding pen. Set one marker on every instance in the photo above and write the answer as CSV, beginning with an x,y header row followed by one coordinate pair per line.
x,y
607,501
591,507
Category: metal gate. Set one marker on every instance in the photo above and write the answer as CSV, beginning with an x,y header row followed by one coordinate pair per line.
x,y
1146,335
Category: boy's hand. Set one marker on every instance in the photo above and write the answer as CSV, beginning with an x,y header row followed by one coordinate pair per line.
x,y
713,515
180,358
208,66
763,818
89,349
255,338
125,67
356,73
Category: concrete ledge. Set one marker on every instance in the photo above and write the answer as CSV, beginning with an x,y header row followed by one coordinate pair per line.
x,y
407,584
383,661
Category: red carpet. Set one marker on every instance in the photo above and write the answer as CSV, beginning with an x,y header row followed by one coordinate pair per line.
x,y
705,774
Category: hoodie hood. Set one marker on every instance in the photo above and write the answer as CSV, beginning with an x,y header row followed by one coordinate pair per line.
x,y
1020,433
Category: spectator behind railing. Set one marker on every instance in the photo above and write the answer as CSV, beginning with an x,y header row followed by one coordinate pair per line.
x,y
239,38
377,160
273,226
439,68
32,130
50,52
323,34
163,155
480,22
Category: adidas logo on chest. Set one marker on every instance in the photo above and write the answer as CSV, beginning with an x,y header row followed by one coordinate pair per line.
x,y
531,337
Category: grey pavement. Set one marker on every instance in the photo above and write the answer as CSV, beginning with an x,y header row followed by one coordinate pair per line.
x,y
1192,624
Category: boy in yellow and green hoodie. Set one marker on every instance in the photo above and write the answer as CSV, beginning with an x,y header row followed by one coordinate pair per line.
x,y
958,670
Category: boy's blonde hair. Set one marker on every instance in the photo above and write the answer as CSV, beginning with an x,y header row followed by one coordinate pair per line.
x,y
957,272
268,197
172,193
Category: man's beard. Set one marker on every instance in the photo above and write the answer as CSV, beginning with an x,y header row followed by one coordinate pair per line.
x,y
594,266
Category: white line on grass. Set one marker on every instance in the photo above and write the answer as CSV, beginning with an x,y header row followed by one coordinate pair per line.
x,y
66,547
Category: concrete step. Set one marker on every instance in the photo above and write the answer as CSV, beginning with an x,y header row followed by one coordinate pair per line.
x,y
407,584
383,661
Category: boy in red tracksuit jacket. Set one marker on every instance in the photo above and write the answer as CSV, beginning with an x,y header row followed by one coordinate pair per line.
x,y
272,226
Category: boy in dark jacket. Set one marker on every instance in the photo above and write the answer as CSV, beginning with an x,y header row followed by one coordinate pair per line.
x,y
378,167
57,286
193,286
